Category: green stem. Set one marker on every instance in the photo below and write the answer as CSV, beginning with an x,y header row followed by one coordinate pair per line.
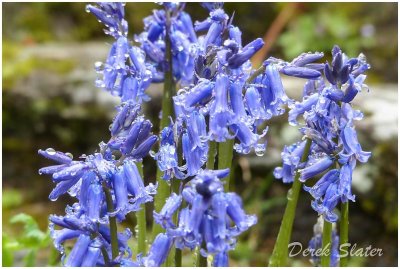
x,y
225,154
178,257
105,255
212,152
163,191
256,73
113,223
344,233
202,261
141,220
326,244
280,252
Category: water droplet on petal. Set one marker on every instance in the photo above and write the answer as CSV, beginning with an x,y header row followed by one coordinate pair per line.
x,y
69,155
259,149
50,151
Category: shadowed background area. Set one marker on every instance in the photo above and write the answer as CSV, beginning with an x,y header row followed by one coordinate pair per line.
x,y
49,100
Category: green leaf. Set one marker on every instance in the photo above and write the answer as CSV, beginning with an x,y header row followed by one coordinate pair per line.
x,y
7,253
30,259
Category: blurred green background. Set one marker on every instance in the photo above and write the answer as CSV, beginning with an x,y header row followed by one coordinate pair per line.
x,y
49,100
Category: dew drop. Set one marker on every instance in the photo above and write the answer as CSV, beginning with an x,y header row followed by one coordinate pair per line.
x,y
290,195
69,155
100,83
50,151
259,150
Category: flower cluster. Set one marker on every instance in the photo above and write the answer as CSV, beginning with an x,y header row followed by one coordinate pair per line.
x,y
222,98
124,73
329,124
106,187
191,131
206,221
176,25
221,68
88,218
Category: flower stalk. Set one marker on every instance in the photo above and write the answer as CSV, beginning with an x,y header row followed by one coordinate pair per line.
x,y
326,244
225,154
167,110
113,223
280,252
141,220
344,232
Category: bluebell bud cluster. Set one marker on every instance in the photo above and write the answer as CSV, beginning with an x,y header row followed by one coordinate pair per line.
x,y
176,25
329,118
125,72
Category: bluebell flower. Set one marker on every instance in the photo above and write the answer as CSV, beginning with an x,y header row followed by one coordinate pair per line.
x,y
220,113
78,252
112,16
221,260
291,157
92,255
299,108
158,252
272,92
164,218
351,146
300,72
316,168
167,156
245,54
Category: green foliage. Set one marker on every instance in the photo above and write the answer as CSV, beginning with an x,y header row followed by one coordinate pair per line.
x,y
317,31
11,198
30,240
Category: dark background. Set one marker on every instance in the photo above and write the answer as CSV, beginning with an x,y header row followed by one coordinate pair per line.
x,y
49,100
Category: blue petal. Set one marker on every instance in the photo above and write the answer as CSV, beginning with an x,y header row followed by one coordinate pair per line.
x,y
78,252
315,168
300,72
158,251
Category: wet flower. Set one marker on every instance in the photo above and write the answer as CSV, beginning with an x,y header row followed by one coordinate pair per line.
x,y
124,73
212,218
174,23
328,123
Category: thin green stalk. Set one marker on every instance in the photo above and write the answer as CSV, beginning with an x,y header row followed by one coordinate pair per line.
x,y
105,255
113,223
280,252
167,111
225,154
212,152
141,221
344,233
178,257
256,73
326,244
